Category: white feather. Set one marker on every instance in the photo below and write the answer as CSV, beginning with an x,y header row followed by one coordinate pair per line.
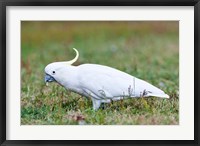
x,y
101,83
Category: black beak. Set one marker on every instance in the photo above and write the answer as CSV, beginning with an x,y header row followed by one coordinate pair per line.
x,y
48,78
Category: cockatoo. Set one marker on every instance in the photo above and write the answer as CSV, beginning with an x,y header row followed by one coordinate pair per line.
x,y
101,83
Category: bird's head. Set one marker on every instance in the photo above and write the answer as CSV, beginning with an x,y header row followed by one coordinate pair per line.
x,y
54,71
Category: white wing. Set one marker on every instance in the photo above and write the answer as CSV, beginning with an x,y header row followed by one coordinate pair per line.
x,y
105,82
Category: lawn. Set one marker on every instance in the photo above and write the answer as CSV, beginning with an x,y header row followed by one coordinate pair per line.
x,y
146,50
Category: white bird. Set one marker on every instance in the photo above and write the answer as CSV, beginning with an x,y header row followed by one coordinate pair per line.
x,y
101,83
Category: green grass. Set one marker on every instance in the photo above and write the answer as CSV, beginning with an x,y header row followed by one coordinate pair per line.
x,y
147,50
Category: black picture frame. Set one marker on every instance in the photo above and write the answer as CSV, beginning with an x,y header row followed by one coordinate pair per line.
x,y
5,3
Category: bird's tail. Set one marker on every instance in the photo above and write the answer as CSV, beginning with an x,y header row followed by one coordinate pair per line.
x,y
159,95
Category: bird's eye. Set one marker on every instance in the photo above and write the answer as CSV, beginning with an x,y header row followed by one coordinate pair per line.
x,y
53,72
